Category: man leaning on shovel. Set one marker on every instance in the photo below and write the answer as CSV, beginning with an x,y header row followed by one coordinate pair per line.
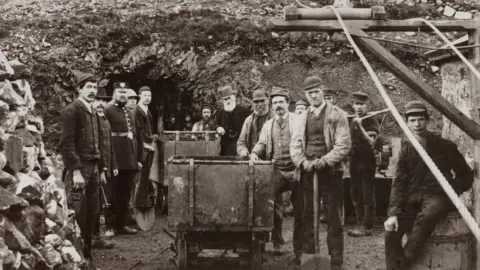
x,y
320,141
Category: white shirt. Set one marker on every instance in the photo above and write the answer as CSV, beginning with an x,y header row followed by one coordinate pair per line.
x,y
284,117
87,104
317,111
144,108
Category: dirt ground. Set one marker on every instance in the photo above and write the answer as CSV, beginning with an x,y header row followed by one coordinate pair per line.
x,y
142,252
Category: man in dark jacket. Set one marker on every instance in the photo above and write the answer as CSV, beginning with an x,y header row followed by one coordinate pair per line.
x,y
229,122
128,147
417,201
106,196
82,155
144,123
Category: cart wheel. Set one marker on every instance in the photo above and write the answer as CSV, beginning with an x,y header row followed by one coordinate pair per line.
x,y
181,255
256,254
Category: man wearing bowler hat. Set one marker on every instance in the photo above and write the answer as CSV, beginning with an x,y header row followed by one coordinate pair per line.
x,y
128,147
362,166
300,107
82,152
417,201
274,143
320,141
229,122
254,123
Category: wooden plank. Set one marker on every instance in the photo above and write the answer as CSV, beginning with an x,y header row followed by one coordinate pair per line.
x,y
474,39
418,85
369,25
294,13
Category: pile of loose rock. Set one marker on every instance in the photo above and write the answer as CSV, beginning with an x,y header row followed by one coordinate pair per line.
x,y
37,231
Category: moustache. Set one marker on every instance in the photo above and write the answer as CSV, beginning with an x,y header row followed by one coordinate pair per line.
x,y
279,109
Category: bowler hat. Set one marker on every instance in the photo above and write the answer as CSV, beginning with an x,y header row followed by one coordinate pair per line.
x,y
259,95
226,91
278,91
415,106
81,77
301,102
120,85
311,82
359,97
328,92
102,94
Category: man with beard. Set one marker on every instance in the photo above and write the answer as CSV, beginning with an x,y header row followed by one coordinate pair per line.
x,y
254,123
229,122
417,201
99,106
274,143
144,123
206,123
320,141
82,154
128,147
362,166
300,107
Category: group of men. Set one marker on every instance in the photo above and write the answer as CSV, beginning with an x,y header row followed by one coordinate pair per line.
x,y
106,145
317,139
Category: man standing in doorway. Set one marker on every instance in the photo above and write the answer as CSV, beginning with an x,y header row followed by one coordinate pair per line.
x,y
128,147
320,141
362,166
274,143
144,124
254,123
417,201
206,123
82,154
300,107
229,122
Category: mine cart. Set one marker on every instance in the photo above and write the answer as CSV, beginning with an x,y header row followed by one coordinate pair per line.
x,y
183,143
220,203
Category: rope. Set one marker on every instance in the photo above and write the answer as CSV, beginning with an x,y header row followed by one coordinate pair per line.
x,y
428,161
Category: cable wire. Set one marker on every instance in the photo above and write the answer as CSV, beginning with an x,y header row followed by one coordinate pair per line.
x,y
423,154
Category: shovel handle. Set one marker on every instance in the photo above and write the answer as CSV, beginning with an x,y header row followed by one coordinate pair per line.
x,y
104,196
316,210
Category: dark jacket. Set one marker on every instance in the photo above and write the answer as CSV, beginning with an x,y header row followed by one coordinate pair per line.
x,y
414,178
144,123
234,126
127,152
81,139
111,162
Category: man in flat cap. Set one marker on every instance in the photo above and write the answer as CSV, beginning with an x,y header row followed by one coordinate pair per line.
x,y
82,152
330,96
254,123
274,143
99,106
205,124
128,147
417,201
320,141
300,107
362,166
144,122
229,122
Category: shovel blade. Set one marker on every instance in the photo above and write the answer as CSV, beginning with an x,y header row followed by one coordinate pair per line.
x,y
314,262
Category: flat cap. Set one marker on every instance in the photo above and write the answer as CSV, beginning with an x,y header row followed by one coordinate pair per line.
x,y
131,93
301,102
328,92
279,91
81,77
226,91
415,106
311,82
144,88
359,97
206,106
120,85
259,95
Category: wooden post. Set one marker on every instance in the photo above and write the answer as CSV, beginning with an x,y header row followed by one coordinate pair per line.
x,y
474,39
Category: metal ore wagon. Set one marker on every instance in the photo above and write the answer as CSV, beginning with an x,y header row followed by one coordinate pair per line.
x,y
220,203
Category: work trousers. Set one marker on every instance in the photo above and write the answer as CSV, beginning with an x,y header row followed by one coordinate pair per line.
x,y
421,214
362,191
284,181
141,189
122,187
303,233
228,146
85,201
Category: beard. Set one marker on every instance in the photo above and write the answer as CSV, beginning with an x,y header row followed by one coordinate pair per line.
x,y
229,106
261,110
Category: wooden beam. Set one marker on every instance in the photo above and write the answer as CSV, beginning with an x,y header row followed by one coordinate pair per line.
x,y
370,25
347,13
418,85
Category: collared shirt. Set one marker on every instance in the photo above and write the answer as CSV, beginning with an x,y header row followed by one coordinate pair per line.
x,y
284,117
317,110
144,108
87,104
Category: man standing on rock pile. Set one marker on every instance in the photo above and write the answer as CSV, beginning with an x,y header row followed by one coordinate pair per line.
x,y
229,122
83,156
128,147
254,123
274,143
320,141
417,201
